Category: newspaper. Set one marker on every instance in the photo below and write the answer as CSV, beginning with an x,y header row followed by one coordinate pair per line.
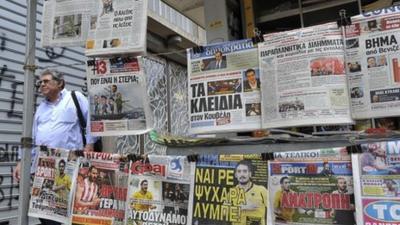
x,y
101,189
324,154
303,78
51,194
311,192
117,27
65,23
372,52
230,190
118,97
377,183
160,189
224,88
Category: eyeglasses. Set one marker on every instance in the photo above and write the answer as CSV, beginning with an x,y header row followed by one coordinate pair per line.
x,y
40,82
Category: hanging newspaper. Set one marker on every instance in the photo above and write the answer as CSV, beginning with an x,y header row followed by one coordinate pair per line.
x,y
372,52
101,189
51,193
377,183
306,193
303,78
159,191
230,190
118,97
65,23
324,154
224,88
117,27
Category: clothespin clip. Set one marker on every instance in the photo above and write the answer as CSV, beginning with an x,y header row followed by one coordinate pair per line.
x,y
43,148
267,156
134,157
198,49
79,153
344,20
193,158
354,149
257,39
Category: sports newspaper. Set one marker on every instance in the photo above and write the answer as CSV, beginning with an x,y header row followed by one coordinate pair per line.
x,y
101,189
373,67
230,190
303,78
160,189
118,97
224,87
377,183
315,189
51,193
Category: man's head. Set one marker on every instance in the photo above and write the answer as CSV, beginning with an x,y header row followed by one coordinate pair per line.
x,y
251,75
114,88
61,166
371,62
342,184
51,84
243,172
144,185
103,99
326,166
218,55
390,184
93,173
285,183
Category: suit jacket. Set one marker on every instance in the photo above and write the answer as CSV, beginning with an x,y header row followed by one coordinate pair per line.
x,y
212,65
247,86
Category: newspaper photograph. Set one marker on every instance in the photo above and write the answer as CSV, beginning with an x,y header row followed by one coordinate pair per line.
x,y
306,193
65,23
230,190
51,194
159,191
377,183
101,189
303,78
372,50
117,27
118,97
224,88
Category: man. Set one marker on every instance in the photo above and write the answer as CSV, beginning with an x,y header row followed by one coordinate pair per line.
x,y
62,185
217,63
145,195
326,171
56,123
253,211
344,217
285,214
251,83
371,62
87,192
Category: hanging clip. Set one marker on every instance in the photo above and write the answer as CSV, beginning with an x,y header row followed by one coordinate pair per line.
x,y
267,156
257,39
193,158
344,20
354,149
134,157
198,49
43,148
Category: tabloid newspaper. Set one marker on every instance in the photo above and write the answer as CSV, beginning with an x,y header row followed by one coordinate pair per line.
x,y
118,97
100,192
323,154
313,190
224,88
160,189
65,23
117,27
51,193
377,183
303,78
230,190
372,52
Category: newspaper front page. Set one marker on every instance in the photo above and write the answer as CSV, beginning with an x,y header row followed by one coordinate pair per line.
x,y
51,194
303,78
372,53
230,190
100,192
159,191
117,27
377,183
224,88
311,187
65,23
118,97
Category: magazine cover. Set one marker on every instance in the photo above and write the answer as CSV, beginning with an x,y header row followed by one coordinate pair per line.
x,y
230,190
118,97
160,189
303,78
372,50
51,192
377,183
224,88
313,192
100,192
117,27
